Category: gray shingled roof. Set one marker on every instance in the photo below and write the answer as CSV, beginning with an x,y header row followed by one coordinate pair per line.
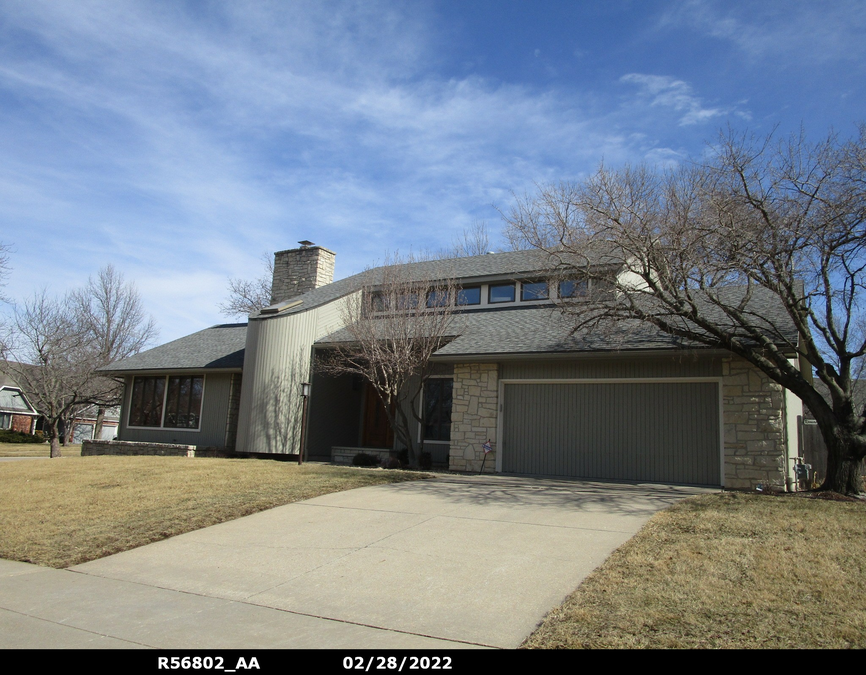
x,y
531,330
460,269
544,329
217,347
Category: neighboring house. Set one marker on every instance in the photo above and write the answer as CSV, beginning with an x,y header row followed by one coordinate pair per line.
x,y
84,424
628,403
16,412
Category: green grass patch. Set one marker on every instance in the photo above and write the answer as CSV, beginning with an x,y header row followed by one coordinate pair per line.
x,y
66,511
726,571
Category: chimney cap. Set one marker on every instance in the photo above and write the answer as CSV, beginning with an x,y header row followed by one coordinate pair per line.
x,y
306,242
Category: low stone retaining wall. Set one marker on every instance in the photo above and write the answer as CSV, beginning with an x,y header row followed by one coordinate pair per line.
x,y
136,448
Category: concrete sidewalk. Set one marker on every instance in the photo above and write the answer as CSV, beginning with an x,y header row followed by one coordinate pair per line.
x,y
444,563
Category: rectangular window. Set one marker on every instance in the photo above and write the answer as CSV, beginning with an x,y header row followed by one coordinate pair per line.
x,y
183,403
573,288
147,398
378,301
437,408
533,290
469,296
5,420
501,293
169,402
437,299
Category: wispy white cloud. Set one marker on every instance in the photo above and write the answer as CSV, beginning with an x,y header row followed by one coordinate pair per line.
x,y
182,140
669,92
804,32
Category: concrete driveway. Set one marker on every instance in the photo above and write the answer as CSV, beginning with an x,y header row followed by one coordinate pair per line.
x,y
445,563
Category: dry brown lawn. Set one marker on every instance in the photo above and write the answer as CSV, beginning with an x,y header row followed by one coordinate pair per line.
x,y
726,571
37,450
66,511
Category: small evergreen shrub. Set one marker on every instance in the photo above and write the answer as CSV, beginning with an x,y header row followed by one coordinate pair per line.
x,y
365,459
9,436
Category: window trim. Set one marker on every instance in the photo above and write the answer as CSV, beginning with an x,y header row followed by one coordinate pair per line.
x,y
528,282
583,296
490,287
162,426
422,403
460,290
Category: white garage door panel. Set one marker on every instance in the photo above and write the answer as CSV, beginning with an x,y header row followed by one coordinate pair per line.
x,y
648,431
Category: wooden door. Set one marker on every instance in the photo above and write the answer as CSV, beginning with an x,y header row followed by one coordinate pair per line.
x,y
377,432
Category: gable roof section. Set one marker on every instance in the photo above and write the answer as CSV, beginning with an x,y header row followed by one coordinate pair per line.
x,y
216,348
12,400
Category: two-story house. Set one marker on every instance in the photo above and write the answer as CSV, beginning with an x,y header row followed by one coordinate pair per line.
x,y
628,403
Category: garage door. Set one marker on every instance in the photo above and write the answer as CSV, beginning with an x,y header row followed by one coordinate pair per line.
x,y
649,431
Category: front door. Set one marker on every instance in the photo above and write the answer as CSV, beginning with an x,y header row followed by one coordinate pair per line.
x,y
377,431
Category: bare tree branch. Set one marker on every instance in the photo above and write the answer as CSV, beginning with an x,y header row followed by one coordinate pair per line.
x,y
475,240
249,295
56,345
729,253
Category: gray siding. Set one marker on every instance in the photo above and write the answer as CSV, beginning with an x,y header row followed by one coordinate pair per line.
x,y
655,431
622,367
215,404
277,361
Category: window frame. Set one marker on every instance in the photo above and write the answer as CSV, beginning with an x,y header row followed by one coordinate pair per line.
x,y
422,428
165,393
490,287
524,284
574,296
467,304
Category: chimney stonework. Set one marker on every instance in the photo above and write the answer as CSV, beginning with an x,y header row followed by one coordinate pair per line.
x,y
299,270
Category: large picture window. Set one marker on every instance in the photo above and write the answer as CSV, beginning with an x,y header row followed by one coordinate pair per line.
x,y
437,409
171,402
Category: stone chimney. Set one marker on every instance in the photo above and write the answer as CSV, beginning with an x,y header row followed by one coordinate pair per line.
x,y
299,270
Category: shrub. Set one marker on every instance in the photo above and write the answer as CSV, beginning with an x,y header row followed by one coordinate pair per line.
x,y
8,436
365,459
425,460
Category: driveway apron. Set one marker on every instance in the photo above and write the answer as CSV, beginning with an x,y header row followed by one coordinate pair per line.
x,y
471,561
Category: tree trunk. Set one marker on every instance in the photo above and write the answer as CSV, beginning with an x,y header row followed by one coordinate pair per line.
x,y
844,473
100,418
54,440
844,463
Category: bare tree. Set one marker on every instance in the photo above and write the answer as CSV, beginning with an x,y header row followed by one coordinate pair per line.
x,y
400,318
51,357
249,295
475,240
729,253
110,313
4,268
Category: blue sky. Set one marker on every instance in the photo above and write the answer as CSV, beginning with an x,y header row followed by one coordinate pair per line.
x,y
181,140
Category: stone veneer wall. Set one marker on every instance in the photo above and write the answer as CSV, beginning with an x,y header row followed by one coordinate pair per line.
x,y
299,270
754,418
474,411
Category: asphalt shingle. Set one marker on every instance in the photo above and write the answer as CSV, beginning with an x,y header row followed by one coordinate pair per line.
x,y
217,347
